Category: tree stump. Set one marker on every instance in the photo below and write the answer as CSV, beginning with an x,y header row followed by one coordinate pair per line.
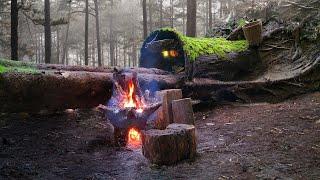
x,y
182,111
167,97
169,146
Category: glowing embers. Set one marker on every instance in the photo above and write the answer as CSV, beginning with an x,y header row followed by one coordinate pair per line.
x,y
134,137
170,54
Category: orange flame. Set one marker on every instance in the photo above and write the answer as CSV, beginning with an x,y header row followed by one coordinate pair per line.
x,y
129,102
134,137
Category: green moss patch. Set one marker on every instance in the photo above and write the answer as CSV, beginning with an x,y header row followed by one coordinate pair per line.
x,y
16,66
195,47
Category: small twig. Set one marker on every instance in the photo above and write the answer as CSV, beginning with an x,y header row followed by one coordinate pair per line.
x,y
301,6
295,84
268,49
278,47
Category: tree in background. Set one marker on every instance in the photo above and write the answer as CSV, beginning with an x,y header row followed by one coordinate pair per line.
x,y
47,31
145,21
14,29
98,33
210,14
191,18
86,36
120,27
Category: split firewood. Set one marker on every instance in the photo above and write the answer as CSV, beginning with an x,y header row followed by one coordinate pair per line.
x,y
167,97
182,111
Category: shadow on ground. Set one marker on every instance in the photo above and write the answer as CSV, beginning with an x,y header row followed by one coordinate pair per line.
x,y
234,141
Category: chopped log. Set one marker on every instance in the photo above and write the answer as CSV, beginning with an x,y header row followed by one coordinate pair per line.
x,y
182,111
167,97
169,146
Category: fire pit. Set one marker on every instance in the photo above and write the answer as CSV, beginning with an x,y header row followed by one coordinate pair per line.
x,y
129,109
149,120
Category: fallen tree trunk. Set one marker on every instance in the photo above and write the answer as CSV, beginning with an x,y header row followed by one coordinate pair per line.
x,y
56,90
60,90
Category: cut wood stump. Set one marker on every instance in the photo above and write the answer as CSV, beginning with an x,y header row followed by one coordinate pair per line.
x,y
167,97
182,111
169,146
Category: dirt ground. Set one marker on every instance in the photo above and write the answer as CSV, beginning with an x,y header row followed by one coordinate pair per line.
x,y
254,141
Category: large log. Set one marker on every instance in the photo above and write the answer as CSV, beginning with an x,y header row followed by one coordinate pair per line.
x,y
235,66
56,88
59,89
169,146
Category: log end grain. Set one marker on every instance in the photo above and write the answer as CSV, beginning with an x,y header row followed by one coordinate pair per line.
x,y
169,146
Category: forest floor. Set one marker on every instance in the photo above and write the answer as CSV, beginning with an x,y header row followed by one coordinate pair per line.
x,y
238,141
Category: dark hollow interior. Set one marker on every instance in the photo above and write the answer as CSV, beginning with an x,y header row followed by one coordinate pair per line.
x,y
151,58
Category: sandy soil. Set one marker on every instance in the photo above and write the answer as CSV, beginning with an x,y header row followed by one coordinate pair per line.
x,y
255,141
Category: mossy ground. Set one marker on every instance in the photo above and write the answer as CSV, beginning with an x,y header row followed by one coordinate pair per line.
x,y
16,66
194,47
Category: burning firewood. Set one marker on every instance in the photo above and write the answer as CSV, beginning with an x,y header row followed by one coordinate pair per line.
x,y
128,108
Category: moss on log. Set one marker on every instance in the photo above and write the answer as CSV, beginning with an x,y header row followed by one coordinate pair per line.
x,y
195,47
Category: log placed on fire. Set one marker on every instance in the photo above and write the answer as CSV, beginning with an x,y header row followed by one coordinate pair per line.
x,y
169,146
167,97
182,111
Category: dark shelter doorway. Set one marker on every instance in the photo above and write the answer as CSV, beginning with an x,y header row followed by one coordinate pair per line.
x,y
163,50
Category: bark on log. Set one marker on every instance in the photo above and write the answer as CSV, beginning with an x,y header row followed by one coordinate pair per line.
x,y
182,111
169,146
58,88
54,90
233,67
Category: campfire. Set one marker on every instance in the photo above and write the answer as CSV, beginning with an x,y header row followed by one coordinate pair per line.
x,y
129,109
161,123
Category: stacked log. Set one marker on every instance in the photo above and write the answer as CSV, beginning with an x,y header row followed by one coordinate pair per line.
x,y
167,97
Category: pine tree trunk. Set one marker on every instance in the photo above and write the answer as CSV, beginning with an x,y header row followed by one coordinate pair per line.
x,y
47,27
145,24
86,36
58,45
150,16
183,17
14,30
112,58
172,14
66,46
161,13
98,33
210,15
191,18
134,49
